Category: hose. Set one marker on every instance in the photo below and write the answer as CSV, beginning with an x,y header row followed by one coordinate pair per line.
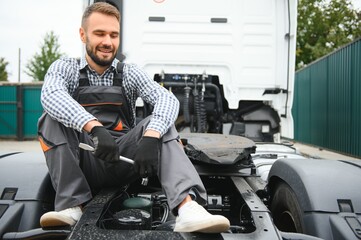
x,y
186,113
200,114
199,109
218,108
213,87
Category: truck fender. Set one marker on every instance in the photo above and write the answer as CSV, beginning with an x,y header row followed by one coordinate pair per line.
x,y
26,191
319,184
320,192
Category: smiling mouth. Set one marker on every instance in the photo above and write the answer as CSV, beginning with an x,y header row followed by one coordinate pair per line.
x,y
105,54
105,50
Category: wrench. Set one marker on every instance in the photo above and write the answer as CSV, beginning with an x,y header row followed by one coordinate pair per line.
x,y
125,159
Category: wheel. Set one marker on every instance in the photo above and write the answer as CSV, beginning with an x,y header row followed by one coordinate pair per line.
x,y
286,211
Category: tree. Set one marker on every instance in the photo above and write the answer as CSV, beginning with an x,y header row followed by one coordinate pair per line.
x,y
3,72
324,26
39,64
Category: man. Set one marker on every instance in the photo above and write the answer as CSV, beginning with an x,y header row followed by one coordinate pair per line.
x,y
88,101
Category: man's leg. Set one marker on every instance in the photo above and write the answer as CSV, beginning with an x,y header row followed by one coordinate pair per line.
x,y
177,174
75,173
60,146
178,178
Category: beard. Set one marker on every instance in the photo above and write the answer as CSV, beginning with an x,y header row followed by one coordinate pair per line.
x,y
100,61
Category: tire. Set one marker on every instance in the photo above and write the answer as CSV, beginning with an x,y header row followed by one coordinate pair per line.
x,y
286,211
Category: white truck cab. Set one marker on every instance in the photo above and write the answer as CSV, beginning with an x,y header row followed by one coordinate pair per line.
x,y
244,48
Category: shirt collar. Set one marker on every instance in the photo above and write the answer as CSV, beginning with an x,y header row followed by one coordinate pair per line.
x,y
83,63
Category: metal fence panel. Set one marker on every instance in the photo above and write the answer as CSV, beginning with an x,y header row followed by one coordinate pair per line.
x,y
339,96
32,110
328,101
318,104
8,111
20,109
303,106
355,146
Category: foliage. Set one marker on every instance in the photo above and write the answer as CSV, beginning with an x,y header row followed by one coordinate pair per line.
x,y
324,26
3,72
40,62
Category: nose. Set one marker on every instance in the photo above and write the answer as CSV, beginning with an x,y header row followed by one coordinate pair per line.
x,y
107,40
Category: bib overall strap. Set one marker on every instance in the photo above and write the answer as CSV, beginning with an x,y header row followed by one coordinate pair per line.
x,y
118,74
83,77
118,81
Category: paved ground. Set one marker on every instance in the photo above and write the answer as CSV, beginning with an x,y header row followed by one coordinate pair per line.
x,y
19,146
31,146
316,152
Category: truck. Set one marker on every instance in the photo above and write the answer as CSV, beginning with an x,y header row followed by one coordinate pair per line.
x,y
231,65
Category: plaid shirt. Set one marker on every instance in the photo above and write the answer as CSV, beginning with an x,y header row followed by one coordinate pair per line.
x,y
62,79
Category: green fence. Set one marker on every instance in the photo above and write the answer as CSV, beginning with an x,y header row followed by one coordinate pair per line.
x,y
20,109
327,103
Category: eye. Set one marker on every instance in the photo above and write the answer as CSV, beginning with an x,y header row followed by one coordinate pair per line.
x,y
114,35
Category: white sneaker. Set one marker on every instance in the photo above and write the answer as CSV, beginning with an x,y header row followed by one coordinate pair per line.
x,y
194,218
65,217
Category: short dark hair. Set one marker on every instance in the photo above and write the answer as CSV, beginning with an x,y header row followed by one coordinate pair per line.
x,y
100,7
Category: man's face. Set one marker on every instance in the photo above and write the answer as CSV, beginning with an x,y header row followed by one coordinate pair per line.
x,y
101,37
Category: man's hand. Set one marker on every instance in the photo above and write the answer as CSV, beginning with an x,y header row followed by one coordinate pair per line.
x,y
147,156
105,147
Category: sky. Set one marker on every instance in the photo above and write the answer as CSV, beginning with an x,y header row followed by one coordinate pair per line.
x,y
24,23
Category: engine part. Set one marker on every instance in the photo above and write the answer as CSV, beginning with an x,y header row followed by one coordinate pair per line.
x,y
132,219
138,203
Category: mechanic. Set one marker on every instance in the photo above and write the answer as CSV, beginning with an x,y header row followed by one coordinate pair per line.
x,y
92,100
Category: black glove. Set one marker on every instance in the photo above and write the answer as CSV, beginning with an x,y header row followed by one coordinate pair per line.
x,y
147,156
105,147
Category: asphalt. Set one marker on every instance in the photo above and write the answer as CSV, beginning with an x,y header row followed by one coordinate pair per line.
x,y
318,152
19,146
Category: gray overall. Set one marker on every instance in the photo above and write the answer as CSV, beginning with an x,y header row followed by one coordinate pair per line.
x,y
76,174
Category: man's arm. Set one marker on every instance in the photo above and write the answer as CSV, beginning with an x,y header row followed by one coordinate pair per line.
x,y
152,133
165,104
165,111
89,125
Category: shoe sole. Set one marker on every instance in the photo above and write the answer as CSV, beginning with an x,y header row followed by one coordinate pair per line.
x,y
206,227
55,220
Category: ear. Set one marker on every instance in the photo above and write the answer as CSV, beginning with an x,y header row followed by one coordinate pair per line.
x,y
82,34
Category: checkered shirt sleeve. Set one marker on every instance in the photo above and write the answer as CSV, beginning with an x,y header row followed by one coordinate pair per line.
x,y
166,106
61,80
